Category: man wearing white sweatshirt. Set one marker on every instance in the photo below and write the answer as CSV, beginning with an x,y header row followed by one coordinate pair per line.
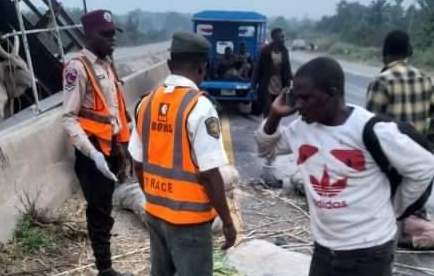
x,y
353,218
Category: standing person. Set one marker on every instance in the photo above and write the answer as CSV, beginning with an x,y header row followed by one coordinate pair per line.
x,y
405,94
273,71
272,75
352,216
401,91
177,148
96,120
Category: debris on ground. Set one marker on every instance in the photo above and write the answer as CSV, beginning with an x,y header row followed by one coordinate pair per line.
x,y
72,254
63,247
275,216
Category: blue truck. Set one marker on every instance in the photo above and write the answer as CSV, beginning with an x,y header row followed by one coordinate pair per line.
x,y
241,33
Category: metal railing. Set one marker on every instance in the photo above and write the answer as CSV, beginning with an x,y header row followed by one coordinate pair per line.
x,y
38,31
24,33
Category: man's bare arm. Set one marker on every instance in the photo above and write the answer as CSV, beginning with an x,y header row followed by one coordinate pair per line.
x,y
215,189
279,109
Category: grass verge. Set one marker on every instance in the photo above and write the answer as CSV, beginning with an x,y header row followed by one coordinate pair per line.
x,y
30,237
370,55
348,51
220,266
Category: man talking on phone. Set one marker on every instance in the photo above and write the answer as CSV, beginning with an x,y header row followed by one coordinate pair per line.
x,y
349,197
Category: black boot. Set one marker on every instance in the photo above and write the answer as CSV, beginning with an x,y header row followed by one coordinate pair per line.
x,y
112,272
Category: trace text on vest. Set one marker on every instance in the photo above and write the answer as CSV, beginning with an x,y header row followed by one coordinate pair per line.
x,y
157,185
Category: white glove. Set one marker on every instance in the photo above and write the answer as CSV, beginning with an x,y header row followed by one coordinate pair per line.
x,y
102,165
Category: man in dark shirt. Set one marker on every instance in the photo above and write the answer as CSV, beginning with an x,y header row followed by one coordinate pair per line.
x,y
272,76
273,71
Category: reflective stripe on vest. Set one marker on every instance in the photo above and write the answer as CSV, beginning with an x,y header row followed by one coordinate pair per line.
x,y
97,122
91,115
173,193
178,205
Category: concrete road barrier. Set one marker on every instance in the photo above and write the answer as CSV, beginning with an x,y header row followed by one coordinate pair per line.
x,y
142,82
36,158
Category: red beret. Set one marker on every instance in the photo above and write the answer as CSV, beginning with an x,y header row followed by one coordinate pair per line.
x,y
98,21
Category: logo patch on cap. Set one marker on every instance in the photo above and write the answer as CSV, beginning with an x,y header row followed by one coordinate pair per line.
x,y
108,17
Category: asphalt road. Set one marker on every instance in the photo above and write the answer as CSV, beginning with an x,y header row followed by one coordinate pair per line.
x,y
243,146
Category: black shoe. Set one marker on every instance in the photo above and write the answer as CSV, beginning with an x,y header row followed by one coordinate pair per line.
x,y
112,272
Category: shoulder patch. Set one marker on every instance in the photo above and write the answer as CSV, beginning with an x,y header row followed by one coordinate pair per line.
x,y
213,127
70,78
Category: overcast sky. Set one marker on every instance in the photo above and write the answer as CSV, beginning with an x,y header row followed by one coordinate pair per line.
x,y
289,8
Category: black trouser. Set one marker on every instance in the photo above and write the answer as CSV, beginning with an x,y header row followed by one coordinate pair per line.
x,y
98,192
373,261
184,250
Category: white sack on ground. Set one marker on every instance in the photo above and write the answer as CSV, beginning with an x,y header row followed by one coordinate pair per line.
x,y
129,195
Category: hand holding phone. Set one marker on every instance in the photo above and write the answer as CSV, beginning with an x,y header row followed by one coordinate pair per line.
x,y
284,105
289,96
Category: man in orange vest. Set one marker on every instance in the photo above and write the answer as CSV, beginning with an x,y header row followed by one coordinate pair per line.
x,y
96,120
177,147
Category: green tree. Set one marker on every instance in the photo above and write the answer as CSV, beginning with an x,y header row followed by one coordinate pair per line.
x,y
426,24
365,25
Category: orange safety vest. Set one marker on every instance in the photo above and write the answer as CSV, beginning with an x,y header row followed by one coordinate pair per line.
x,y
171,184
96,121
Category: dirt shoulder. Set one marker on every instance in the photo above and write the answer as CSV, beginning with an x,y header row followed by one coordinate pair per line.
x,y
72,254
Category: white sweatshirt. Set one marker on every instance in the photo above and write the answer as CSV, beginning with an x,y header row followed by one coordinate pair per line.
x,y
348,195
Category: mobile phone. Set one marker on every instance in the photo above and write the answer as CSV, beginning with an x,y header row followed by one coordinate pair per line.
x,y
289,97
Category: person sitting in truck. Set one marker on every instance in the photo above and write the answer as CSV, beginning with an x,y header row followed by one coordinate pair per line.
x,y
226,64
246,62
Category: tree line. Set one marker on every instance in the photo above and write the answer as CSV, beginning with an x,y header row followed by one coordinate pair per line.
x,y
353,23
141,27
358,30
366,25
